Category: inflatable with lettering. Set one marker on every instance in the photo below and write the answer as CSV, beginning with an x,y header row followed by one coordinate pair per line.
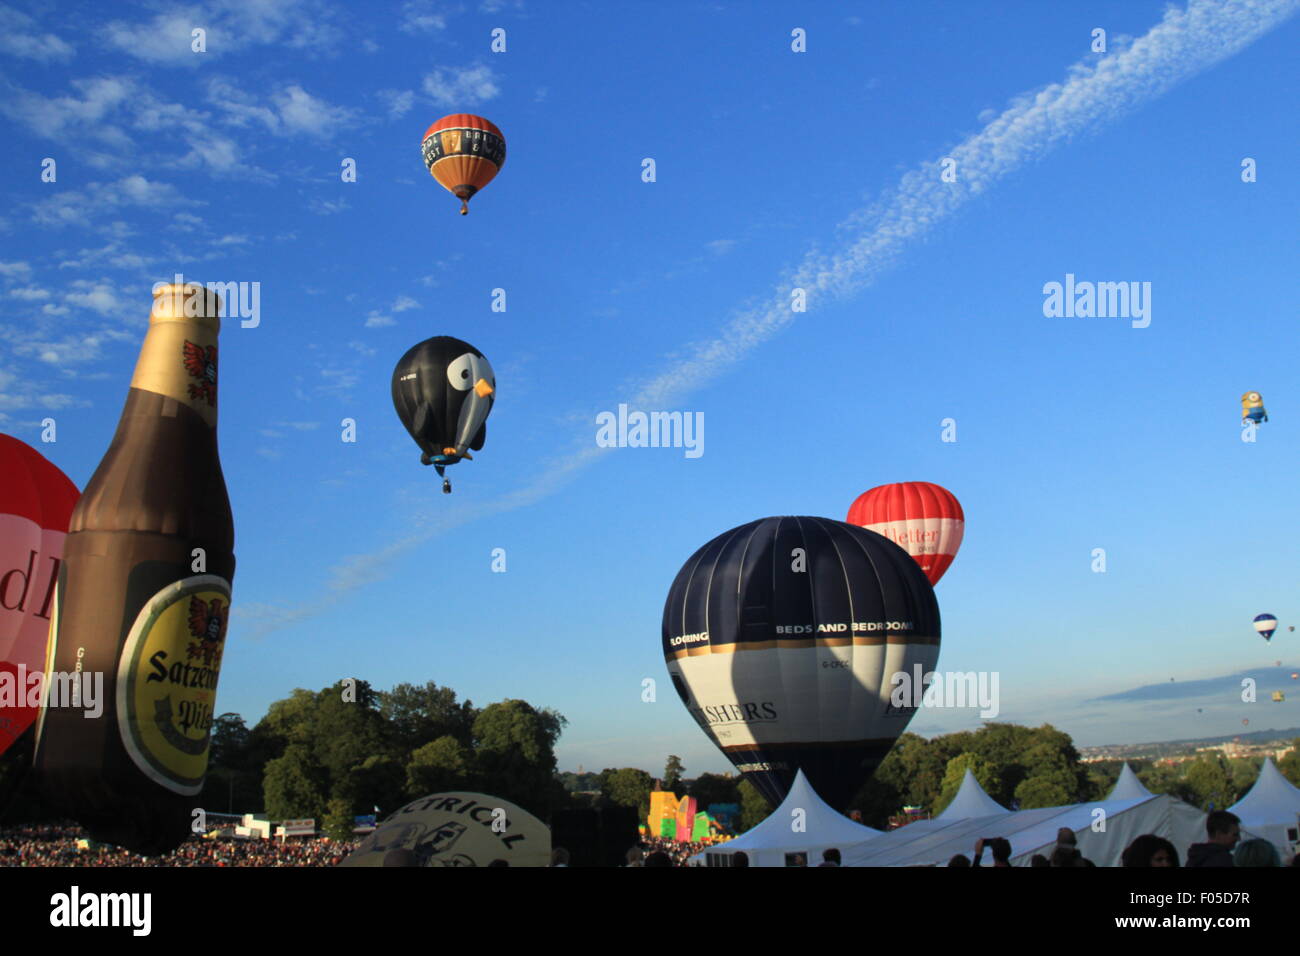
x,y
922,518
456,829
801,643
36,502
463,152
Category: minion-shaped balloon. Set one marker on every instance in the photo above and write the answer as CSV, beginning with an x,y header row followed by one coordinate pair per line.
x,y
1252,408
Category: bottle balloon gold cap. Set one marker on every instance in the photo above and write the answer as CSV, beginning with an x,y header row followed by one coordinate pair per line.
x,y
185,303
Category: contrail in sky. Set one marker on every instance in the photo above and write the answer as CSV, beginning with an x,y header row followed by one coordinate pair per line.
x,y
1099,90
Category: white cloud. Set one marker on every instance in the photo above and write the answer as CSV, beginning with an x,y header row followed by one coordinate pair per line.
x,y
399,104
376,321
326,207
461,86
99,296
230,25
29,294
100,199
1097,92
420,16
721,247
15,270
292,111
403,303
19,36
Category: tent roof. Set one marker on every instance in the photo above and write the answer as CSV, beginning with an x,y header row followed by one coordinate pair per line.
x,y
822,827
935,842
1128,786
1273,799
971,801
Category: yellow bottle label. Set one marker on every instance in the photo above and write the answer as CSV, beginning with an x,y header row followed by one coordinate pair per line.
x,y
167,680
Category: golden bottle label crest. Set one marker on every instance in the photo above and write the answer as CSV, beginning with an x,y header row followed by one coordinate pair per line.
x,y
167,680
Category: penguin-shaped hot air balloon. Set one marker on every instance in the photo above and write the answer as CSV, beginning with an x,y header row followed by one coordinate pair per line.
x,y
443,390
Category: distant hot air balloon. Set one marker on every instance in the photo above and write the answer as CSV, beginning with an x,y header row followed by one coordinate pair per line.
x,y
1245,723
36,502
1295,676
1278,697
924,519
1266,624
1252,408
463,152
781,638
443,390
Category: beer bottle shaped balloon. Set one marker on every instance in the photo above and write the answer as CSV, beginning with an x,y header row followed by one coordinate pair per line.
x,y
143,599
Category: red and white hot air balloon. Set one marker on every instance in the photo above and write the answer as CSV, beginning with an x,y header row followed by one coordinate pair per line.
x,y
923,519
36,502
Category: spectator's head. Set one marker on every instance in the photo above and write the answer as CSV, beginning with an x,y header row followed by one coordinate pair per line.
x,y
1150,850
1065,837
1066,856
961,859
1256,853
635,856
1039,860
740,858
1001,850
499,863
658,858
831,856
1223,828
559,856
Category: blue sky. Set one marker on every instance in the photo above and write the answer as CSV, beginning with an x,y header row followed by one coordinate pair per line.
x,y
773,169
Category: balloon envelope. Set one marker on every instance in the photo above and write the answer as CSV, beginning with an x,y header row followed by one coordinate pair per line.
x,y
443,390
463,152
36,502
458,829
781,638
1266,624
924,519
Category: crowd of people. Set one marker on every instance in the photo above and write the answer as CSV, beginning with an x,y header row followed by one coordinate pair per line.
x,y
60,846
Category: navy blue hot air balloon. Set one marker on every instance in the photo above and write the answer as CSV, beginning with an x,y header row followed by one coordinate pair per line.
x,y
443,390
782,638
1266,624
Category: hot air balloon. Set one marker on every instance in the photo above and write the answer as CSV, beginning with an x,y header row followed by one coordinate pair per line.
x,y
443,390
1278,697
782,638
36,502
1252,408
924,519
1266,624
463,152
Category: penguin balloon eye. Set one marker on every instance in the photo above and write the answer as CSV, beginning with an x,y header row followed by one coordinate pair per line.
x,y
460,373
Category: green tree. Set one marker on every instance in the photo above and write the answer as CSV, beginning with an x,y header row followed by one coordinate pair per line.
x,y
296,785
1210,783
1290,763
673,774
711,788
515,754
421,714
442,765
339,821
628,787
754,808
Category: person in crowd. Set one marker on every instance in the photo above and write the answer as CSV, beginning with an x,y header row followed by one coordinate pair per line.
x,y
559,856
1224,830
658,858
961,859
635,857
998,846
1256,853
1066,856
1039,860
830,857
740,858
1150,850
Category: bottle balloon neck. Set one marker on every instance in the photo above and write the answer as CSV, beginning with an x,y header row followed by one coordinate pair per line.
x,y
179,357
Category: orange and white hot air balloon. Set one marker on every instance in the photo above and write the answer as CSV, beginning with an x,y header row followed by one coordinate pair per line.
x,y
464,153
923,519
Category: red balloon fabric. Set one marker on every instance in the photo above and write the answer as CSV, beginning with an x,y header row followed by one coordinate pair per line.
x,y
922,518
36,502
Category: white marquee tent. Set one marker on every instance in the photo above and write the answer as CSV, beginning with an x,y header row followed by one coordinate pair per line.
x,y
1128,786
1270,810
971,801
935,842
803,823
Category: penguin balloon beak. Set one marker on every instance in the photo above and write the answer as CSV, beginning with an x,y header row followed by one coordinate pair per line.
x,y
482,389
